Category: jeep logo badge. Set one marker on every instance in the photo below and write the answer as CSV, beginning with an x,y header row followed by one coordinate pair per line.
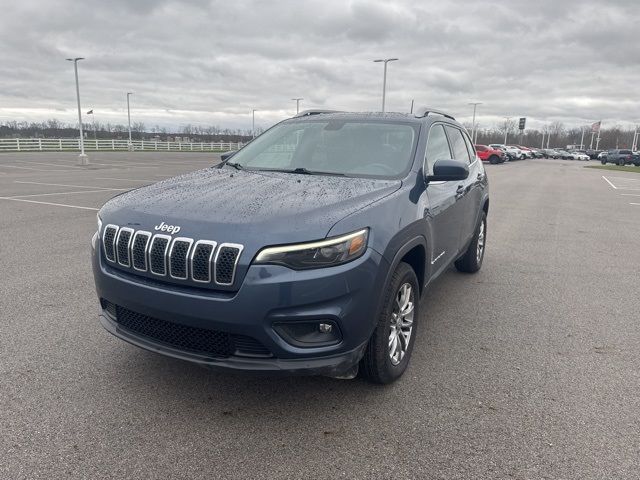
x,y
163,227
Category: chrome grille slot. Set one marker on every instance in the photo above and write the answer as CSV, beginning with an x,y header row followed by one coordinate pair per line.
x,y
158,254
108,242
178,255
225,263
139,250
123,241
201,256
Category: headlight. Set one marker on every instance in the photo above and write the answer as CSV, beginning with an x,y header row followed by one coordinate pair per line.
x,y
96,236
323,253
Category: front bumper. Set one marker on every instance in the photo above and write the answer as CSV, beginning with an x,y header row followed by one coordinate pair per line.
x,y
346,295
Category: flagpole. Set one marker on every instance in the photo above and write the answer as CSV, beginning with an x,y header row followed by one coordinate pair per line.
x,y
598,139
592,135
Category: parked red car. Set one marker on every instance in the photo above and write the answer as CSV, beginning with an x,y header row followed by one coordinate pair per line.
x,y
491,155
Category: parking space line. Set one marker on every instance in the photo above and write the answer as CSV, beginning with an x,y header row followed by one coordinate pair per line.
x,y
607,180
28,162
66,185
24,168
64,193
634,204
49,203
630,194
127,179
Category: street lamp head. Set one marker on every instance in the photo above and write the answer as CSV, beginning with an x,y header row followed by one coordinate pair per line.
x,y
74,59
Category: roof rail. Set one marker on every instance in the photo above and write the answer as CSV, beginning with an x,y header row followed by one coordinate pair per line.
x,y
425,111
308,113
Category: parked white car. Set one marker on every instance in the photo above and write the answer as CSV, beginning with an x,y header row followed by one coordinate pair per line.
x,y
580,156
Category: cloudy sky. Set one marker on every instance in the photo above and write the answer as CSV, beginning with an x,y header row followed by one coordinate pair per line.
x,y
211,62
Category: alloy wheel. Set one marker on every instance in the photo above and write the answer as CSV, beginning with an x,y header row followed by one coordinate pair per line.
x,y
481,239
401,323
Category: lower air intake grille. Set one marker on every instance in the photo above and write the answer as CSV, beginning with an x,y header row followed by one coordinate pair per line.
x,y
182,337
202,341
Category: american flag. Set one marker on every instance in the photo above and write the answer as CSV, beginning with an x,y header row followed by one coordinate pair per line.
x,y
595,127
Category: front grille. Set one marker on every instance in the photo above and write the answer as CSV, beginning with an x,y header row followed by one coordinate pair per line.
x,y
109,240
225,265
139,250
201,261
179,258
157,255
123,240
211,343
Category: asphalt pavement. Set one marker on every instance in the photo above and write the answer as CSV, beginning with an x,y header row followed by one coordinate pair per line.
x,y
527,370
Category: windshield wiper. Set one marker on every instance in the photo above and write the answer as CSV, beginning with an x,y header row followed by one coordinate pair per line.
x,y
237,166
304,171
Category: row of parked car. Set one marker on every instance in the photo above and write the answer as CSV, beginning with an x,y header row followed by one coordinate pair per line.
x,y
499,153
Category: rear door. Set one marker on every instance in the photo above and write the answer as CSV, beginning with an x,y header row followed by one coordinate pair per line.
x,y
468,191
443,209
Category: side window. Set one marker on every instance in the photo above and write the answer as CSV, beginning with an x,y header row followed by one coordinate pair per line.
x,y
470,149
437,147
458,145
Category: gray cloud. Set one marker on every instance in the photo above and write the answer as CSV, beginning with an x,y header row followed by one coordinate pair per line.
x,y
212,62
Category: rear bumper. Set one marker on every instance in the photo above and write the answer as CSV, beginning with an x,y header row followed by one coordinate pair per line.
x,y
346,295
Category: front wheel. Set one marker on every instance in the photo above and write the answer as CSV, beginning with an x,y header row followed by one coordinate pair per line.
x,y
493,159
604,162
471,261
389,349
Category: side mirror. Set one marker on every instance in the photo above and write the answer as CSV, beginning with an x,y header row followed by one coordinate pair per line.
x,y
227,155
448,170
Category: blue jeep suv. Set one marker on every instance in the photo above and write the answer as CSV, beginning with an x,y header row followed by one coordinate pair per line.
x,y
307,251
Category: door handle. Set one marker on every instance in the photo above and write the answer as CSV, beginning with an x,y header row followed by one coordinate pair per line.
x,y
460,191
480,177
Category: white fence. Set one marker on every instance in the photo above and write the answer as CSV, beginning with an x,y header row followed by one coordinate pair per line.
x,y
73,144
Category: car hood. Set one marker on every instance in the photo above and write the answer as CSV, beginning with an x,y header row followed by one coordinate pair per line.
x,y
248,207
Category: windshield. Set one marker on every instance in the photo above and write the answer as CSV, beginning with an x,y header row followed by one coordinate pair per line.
x,y
334,147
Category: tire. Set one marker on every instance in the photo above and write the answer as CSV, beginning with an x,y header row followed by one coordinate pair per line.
x,y
621,163
493,159
603,162
471,261
380,363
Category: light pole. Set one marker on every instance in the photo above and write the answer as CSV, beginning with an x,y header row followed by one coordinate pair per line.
x,y
582,137
93,121
473,122
253,123
384,78
82,158
129,120
506,128
297,100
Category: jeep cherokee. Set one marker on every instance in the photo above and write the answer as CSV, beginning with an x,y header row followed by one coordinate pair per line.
x,y
306,251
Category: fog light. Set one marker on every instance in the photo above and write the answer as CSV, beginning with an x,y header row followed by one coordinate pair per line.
x,y
313,333
325,327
